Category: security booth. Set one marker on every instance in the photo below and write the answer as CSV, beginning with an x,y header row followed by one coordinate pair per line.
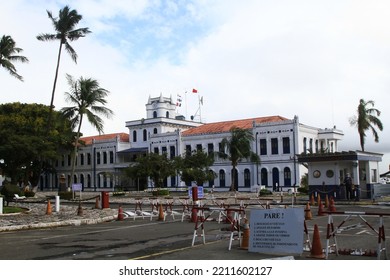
x,y
327,171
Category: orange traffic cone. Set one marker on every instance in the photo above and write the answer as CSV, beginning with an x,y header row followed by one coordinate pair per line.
x,y
120,214
320,209
312,202
160,213
318,199
48,208
97,203
316,247
332,207
80,209
326,201
308,214
245,236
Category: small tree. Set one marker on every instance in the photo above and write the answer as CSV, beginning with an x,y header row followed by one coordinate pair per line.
x,y
195,166
155,166
8,54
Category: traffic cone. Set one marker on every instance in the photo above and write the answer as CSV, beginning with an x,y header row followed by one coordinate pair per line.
x,y
80,209
120,214
316,247
97,203
332,207
245,236
308,214
160,213
326,201
48,208
312,200
320,209
318,199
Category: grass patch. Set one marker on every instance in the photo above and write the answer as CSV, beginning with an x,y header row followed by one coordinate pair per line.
x,y
11,209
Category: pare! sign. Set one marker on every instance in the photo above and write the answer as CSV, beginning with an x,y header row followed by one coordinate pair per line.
x,y
277,231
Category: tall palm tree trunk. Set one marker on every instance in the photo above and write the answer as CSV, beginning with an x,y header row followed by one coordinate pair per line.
x,y
54,88
74,157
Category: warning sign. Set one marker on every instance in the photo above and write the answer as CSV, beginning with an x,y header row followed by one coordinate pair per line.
x,y
276,230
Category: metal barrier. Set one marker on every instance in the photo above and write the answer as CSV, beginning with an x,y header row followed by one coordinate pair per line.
x,y
331,231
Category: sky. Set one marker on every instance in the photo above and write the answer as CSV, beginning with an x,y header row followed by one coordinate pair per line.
x,y
249,58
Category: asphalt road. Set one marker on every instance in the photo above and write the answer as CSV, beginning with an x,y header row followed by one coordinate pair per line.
x,y
172,239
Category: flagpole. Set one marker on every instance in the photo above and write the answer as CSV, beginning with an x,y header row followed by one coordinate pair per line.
x,y
185,97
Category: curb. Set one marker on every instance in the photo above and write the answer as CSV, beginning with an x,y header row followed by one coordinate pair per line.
x,y
58,224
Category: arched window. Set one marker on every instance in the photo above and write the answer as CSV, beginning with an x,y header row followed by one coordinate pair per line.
x,y
247,178
154,130
287,177
304,145
167,114
154,114
264,177
145,135
134,136
275,179
222,180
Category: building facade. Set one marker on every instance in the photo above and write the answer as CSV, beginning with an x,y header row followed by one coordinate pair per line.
x,y
277,141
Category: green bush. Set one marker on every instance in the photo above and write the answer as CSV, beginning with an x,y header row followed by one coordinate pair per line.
x,y
9,191
29,193
65,195
304,190
160,192
265,192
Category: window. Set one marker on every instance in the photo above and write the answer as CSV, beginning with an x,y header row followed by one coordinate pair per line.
x,y
97,158
274,146
164,150
263,146
82,159
304,145
172,152
199,147
69,160
134,136
154,130
154,114
63,160
188,150
222,182
210,148
286,145
311,145
89,158
104,157
167,115
247,178
145,135
156,151
111,157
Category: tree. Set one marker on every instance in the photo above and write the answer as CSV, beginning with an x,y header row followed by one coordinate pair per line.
x,y
157,167
26,149
236,148
64,26
195,166
366,119
8,54
88,99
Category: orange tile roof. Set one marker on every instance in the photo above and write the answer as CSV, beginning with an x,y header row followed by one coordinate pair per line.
x,y
124,137
221,127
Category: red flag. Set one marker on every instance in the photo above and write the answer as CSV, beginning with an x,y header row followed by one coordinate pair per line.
x,y
194,90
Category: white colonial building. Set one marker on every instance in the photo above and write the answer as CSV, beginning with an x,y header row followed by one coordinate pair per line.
x,y
277,141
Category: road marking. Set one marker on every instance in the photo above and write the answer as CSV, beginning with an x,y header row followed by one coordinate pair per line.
x,y
364,231
173,251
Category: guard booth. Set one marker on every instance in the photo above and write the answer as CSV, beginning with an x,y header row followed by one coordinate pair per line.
x,y
326,172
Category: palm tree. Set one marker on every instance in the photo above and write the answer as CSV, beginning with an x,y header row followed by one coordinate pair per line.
x,y
89,100
64,27
8,54
236,148
366,119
